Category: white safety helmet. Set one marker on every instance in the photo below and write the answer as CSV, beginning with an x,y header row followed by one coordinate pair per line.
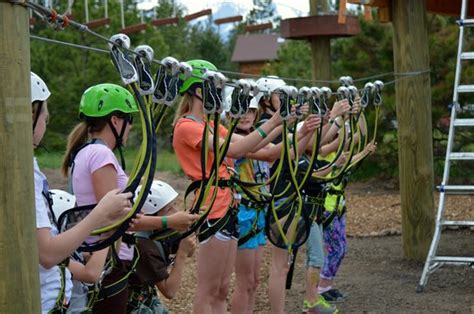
x,y
62,201
39,89
160,195
266,86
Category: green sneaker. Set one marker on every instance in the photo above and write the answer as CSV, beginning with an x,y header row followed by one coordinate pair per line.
x,y
319,307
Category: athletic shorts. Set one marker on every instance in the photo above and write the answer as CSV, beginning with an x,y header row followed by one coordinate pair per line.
x,y
246,217
226,232
315,248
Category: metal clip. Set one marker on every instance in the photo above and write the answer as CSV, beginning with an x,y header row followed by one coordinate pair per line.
x,y
121,59
143,61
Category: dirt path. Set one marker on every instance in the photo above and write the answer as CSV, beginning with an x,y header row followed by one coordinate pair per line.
x,y
373,273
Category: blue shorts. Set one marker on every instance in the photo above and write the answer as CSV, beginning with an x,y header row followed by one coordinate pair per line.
x,y
315,248
246,217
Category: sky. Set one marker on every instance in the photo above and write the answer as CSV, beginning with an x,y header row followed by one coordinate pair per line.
x,y
285,9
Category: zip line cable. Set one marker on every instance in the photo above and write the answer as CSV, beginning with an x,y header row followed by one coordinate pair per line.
x,y
64,43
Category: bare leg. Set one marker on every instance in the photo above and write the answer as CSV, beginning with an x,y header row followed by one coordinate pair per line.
x,y
312,280
245,277
258,262
214,267
277,280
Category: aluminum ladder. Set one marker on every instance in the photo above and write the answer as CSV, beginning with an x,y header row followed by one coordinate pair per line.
x,y
433,261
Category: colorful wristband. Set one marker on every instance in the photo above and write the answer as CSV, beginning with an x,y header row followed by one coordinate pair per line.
x,y
261,132
164,222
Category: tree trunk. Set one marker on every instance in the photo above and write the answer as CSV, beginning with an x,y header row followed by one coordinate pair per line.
x,y
413,99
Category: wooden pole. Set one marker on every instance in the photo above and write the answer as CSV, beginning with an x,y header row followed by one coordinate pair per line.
x,y
19,277
320,46
413,98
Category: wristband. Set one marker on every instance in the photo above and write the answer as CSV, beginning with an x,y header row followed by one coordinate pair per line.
x,y
261,132
338,126
164,222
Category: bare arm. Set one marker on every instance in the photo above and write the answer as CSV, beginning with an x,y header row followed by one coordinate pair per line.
x,y
91,271
54,249
170,286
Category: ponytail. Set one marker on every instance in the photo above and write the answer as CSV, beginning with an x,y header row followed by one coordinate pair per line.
x,y
184,106
78,136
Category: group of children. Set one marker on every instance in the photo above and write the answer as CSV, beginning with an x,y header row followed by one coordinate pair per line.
x,y
125,277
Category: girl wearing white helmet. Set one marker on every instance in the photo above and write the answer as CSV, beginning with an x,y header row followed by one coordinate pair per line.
x,y
54,248
155,256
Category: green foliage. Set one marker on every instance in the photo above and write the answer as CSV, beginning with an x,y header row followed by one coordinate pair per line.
x,y
166,160
69,71
371,53
263,11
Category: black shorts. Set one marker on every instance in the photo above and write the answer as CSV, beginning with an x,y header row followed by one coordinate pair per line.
x,y
224,229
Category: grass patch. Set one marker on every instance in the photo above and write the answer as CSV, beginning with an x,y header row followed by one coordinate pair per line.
x,y
166,160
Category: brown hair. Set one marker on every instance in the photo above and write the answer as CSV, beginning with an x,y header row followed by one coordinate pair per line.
x,y
79,136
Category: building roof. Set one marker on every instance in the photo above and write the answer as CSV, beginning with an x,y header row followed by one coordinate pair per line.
x,y
255,47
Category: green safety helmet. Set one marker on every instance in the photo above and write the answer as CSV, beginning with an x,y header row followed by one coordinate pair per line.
x,y
103,99
199,68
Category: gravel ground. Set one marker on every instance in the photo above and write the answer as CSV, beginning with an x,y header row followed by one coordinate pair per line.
x,y
374,273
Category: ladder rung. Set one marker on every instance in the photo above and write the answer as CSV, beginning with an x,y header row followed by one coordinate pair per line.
x,y
456,189
467,56
457,223
453,260
466,22
465,88
464,122
461,156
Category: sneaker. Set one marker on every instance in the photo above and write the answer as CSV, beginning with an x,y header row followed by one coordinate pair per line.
x,y
334,296
319,307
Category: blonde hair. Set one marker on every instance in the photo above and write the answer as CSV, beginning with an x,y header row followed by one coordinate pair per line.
x,y
184,106
79,136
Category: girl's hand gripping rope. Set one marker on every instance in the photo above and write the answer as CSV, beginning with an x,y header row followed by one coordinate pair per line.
x,y
122,59
113,206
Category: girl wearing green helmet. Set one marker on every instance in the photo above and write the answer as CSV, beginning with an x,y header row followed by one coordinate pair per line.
x,y
218,250
54,248
106,112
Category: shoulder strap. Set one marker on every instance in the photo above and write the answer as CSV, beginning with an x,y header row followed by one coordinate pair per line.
x,y
73,157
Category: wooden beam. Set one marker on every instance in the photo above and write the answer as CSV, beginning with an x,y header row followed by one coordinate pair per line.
x,y
319,25
452,7
341,16
371,3
132,29
165,21
258,27
196,15
321,45
385,14
415,141
98,23
230,19
368,13
19,272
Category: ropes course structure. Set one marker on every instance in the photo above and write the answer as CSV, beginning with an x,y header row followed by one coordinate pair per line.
x,y
288,226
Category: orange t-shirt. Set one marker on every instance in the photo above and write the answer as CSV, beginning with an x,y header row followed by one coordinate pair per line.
x,y
187,140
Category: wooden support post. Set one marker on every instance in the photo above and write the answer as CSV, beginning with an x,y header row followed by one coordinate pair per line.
x,y
320,46
413,98
19,277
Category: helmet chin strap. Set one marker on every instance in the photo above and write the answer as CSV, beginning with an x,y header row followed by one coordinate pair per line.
x,y
37,114
119,139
